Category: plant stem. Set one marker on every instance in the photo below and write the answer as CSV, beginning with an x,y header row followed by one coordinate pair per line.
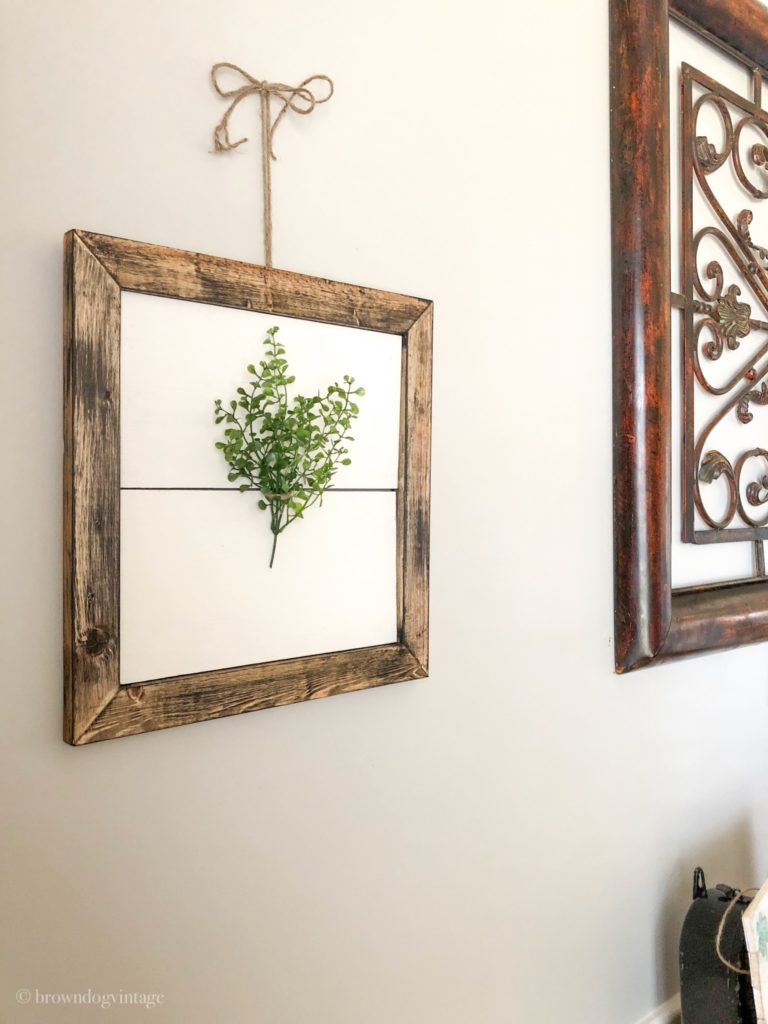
x,y
289,451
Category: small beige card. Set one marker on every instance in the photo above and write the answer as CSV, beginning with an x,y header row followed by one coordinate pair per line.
x,y
755,922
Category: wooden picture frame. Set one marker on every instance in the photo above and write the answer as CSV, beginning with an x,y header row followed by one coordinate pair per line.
x,y
98,268
653,623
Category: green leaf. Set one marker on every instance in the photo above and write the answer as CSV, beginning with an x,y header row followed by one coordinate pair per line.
x,y
287,447
346,462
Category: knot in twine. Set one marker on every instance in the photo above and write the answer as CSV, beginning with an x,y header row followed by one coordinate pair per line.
x,y
298,98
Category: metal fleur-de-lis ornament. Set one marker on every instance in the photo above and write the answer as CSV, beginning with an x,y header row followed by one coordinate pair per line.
x,y
732,315
299,98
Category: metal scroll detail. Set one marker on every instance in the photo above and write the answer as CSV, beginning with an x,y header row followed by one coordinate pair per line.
x,y
724,302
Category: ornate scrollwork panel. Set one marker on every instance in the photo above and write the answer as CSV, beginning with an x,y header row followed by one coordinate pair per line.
x,y
725,313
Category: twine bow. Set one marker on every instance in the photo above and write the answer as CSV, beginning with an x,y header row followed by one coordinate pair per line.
x,y
299,98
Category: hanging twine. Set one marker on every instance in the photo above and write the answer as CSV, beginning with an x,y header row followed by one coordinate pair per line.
x,y
738,893
300,99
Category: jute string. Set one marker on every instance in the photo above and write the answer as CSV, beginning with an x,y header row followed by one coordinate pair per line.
x,y
738,893
298,98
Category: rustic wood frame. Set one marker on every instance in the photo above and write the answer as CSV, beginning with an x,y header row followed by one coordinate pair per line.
x,y
97,269
652,622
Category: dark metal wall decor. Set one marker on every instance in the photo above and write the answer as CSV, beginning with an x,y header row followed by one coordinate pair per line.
x,y
717,321
724,306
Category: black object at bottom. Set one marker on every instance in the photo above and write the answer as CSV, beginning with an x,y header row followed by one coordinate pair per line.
x,y
710,992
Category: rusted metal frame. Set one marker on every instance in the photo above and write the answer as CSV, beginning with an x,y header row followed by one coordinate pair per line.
x,y
717,618
652,623
748,107
705,588
688,467
746,533
739,26
639,124
721,616
739,248
758,554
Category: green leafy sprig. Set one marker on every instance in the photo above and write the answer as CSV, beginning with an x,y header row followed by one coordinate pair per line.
x,y
289,449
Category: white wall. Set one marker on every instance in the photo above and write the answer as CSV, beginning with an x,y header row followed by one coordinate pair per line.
x,y
421,853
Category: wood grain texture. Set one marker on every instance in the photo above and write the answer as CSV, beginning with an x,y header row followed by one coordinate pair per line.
x,y
91,487
400,506
96,269
416,489
177,274
186,699
639,124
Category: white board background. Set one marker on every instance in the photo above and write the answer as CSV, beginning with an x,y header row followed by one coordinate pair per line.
x,y
176,357
197,592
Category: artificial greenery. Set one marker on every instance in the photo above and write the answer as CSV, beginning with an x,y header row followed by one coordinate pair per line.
x,y
289,449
